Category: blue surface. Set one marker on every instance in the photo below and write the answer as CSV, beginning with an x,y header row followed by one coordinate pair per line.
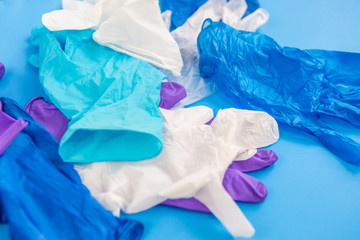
x,y
312,193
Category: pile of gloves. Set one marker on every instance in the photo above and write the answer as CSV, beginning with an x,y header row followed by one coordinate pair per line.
x,y
113,134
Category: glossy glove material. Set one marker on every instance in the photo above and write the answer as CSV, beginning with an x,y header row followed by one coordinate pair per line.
x,y
230,12
53,120
295,86
183,9
240,186
2,70
41,197
134,27
111,99
137,186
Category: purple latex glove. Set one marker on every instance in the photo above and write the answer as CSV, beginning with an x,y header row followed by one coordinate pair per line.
x,y
2,70
56,123
240,186
9,128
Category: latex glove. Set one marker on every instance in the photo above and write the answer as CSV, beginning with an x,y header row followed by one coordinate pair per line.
x,y
295,86
37,187
186,35
53,120
240,186
111,98
2,70
134,27
192,164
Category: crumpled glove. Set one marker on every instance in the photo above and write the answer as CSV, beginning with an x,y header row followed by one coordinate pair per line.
x,y
240,186
111,98
295,86
41,197
192,164
182,10
53,120
134,27
230,12
2,70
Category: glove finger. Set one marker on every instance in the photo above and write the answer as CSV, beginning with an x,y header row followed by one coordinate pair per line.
x,y
187,203
263,158
253,21
243,187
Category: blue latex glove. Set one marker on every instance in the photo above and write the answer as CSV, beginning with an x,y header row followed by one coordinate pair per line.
x,y
110,98
183,9
295,86
41,197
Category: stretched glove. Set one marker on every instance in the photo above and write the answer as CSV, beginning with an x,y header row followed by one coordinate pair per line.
x,y
2,70
295,86
111,99
192,164
230,12
41,197
182,10
240,186
134,27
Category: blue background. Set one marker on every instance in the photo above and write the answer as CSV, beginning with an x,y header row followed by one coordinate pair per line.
x,y
312,193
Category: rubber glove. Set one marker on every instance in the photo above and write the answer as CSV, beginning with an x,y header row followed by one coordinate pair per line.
x,y
111,99
53,120
2,70
134,27
295,86
192,164
240,186
183,9
42,197
230,12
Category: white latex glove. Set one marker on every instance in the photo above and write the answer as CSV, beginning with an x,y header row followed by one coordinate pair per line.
x,y
134,27
192,163
186,36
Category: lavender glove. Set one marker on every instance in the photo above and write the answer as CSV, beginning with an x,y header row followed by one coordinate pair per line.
x,y
2,70
240,186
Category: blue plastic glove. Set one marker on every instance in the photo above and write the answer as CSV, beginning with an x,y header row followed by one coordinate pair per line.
x,y
111,98
295,86
41,197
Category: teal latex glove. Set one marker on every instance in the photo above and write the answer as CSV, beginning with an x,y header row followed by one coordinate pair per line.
x,y
111,98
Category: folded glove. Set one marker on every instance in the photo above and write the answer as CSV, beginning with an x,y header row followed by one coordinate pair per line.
x,y
111,99
295,86
134,27
41,197
192,164
53,120
240,186
2,70
182,10
230,12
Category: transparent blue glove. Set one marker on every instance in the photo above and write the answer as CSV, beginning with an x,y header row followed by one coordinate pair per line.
x,y
295,86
